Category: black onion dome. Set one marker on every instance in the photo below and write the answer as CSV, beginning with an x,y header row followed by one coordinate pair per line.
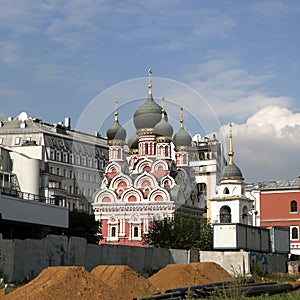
x,y
147,115
163,128
232,172
133,142
182,138
116,132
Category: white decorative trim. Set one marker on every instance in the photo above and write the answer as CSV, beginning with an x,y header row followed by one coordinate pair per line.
x,y
103,194
145,177
142,164
159,163
167,177
158,191
120,178
111,165
132,192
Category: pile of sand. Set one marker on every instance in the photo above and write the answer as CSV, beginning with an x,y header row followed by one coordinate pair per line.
x,y
128,283
183,275
63,283
114,282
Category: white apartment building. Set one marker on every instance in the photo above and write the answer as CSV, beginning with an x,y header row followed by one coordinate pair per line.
x,y
52,161
207,159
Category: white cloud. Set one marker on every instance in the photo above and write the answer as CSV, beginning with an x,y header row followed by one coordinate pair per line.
x,y
267,146
232,92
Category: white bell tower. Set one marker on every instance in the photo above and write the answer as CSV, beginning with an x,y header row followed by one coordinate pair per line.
x,y
230,205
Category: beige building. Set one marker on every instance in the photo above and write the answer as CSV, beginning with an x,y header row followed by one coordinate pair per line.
x,y
52,161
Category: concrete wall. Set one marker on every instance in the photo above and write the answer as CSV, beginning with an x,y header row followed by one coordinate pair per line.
x,y
244,263
24,259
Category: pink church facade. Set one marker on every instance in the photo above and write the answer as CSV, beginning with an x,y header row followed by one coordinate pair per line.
x,y
148,184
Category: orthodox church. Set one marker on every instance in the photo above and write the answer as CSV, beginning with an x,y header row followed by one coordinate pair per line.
x,y
151,182
230,204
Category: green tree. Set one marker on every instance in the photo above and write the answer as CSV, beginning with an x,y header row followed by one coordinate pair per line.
x,y
84,225
181,232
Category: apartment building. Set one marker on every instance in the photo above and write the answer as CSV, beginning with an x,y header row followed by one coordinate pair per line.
x,y
52,161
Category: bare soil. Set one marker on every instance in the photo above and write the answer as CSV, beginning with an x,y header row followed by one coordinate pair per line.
x,y
113,282
183,275
129,283
66,283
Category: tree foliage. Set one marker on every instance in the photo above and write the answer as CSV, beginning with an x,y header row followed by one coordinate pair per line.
x,y
181,232
84,225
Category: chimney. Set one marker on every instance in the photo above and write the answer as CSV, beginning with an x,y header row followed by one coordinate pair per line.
x,y
68,122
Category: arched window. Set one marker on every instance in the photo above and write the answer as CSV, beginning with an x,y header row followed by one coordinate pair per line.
x,y
226,191
294,206
225,214
295,234
166,151
135,231
113,231
245,215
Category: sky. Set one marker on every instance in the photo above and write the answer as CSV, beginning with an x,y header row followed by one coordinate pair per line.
x,y
223,61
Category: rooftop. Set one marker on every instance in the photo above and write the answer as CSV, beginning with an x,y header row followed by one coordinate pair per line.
x,y
276,185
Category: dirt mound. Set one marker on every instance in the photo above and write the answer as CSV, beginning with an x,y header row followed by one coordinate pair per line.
x,y
63,283
129,283
182,275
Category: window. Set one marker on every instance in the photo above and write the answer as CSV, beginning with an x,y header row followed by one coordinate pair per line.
x,y
52,155
71,159
58,156
295,233
17,140
57,171
225,214
135,231
113,231
90,163
71,174
65,157
293,206
226,191
65,173
51,170
201,188
245,215
1,141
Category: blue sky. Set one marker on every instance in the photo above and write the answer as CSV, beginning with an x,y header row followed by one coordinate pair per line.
x,y
242,57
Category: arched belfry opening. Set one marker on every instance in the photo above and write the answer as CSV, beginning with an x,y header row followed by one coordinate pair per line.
x,y
225,214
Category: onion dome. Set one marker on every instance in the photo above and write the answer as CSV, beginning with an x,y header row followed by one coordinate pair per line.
x,y
163,128
231,171
116,131
133,142
182,138
149,113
